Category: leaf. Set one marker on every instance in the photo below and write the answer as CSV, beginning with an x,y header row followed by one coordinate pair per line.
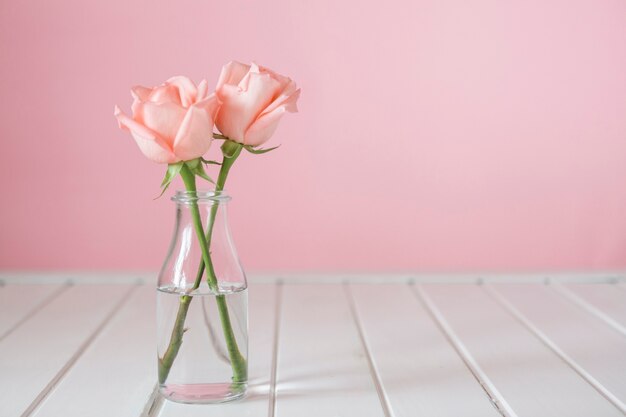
x,y
192,163
170,174
198,169
172,171
208,162
251,149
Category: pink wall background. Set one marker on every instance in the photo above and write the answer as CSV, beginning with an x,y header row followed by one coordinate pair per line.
x,y
432,134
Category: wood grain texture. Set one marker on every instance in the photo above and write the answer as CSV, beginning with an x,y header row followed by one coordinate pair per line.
x,y
322,367
367,348
19,302
36,354
606,301
419,369
531,378
596,351
99,277
116,374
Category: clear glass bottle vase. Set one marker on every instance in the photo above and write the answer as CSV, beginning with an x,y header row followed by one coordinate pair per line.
x,y
202,308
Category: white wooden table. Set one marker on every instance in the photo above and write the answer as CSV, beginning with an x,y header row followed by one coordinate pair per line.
x,y
330,346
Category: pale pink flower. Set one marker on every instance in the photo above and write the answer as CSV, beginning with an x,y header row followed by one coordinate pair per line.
x,y
253,100
171,122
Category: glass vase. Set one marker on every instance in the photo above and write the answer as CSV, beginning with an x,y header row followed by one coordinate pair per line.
x,y
202,306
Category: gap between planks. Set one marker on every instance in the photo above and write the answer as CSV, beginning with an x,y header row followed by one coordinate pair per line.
x,y
47,300
155,402
382,395
275,350
580,302
543,338
83,347
495,397
154,405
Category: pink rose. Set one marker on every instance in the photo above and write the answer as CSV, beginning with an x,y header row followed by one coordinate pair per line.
x,y
172,122
253,101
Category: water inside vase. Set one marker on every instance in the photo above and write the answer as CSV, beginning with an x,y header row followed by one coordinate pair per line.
x,y
201,371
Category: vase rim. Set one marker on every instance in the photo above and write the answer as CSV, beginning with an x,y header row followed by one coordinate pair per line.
x,y
201,196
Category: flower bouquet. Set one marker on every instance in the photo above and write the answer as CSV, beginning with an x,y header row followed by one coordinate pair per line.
x,y
202,289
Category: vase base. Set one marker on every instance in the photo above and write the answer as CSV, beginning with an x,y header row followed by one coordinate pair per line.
x,y
203,393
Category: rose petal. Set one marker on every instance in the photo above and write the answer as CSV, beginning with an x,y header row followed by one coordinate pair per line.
x,y
285,97
227,121
135,107
254,69
186,89
240,108
153,151
166,93
196,131
153,147
203,88
164,119
264,127
232,73
284,81
140,93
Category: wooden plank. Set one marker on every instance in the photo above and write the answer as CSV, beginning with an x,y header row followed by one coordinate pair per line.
x,y
322,367
19,302
76,277
418,368
262,299
594,350
101,277
529,377
117,373
37,354
605,301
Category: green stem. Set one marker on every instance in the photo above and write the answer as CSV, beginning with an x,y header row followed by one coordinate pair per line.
x,y
190,184
237,360
230,156
176,339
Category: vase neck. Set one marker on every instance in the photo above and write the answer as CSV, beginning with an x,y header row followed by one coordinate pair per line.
x,y
182,263
212,197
